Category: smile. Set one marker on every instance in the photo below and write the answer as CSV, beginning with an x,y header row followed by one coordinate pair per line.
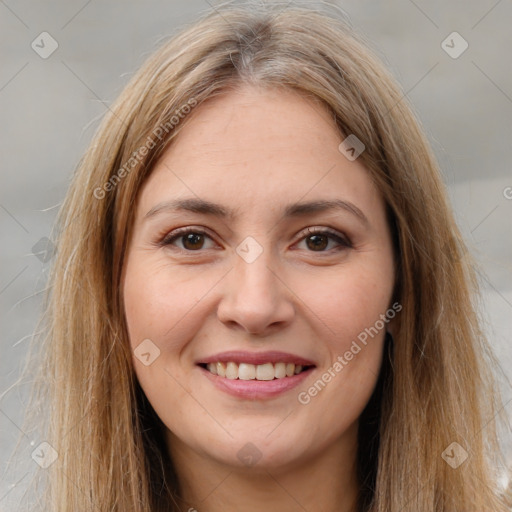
x,y
251,375
247,371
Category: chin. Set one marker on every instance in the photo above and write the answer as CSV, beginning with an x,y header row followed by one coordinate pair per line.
x,y
254,453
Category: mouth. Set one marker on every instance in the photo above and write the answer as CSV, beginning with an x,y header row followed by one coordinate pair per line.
x,y
250,375
246,371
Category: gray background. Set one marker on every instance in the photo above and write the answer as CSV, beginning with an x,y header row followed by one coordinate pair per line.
x,y
50,108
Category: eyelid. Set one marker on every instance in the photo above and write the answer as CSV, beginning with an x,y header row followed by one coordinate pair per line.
x,y
177,233
326,231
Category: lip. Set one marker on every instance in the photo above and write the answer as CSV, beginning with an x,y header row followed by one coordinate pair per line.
x,y
256,389
240,356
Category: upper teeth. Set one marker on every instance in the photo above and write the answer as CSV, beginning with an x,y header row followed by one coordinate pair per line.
x,y
245,371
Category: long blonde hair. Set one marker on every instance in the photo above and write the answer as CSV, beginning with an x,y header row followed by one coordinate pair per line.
x,y
436,387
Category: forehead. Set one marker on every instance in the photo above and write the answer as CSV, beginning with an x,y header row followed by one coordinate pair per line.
x,y
258,146
257,120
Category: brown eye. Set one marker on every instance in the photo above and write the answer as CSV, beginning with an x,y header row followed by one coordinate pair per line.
x,y
317,240
191,239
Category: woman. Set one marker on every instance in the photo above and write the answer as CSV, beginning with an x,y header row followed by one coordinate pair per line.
x,y
260,299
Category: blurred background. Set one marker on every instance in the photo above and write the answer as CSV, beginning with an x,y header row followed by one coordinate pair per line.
x,y
64,62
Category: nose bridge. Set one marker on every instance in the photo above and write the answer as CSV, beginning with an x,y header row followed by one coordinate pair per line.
x,y
253,279
255,297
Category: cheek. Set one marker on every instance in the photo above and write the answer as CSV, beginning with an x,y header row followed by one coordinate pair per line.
x,y
165,306
351,307
350,302
157,301
155,309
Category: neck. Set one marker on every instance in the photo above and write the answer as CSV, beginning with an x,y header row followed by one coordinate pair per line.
x,y
326,482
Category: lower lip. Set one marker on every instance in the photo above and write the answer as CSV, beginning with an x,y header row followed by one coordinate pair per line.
x,y
256,389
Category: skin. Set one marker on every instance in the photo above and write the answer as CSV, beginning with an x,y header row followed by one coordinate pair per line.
x,y
256,150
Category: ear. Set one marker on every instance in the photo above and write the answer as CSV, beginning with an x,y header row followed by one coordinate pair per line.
x,y
392,313
391,328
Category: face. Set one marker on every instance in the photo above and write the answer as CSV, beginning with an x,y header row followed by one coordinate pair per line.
x,y
260,256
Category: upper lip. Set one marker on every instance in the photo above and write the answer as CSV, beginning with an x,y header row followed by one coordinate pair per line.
x,y
240,356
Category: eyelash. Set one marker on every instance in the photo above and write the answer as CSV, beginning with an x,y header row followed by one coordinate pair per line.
x,y
344,242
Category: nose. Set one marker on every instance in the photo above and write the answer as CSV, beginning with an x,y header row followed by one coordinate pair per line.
x,y
255,297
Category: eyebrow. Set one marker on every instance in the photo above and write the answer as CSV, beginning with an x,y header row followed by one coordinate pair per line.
x,y
204,207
